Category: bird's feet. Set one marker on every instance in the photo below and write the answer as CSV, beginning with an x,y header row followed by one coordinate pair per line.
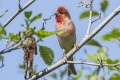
x,y
76,46
64,56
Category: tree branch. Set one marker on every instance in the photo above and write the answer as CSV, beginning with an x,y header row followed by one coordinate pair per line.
x,y
90,18
16,46
74,50
93,64
17,12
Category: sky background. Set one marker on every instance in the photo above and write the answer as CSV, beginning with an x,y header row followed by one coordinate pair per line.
x,y
13,59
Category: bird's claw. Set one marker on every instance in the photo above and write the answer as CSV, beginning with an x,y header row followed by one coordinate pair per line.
x,y
77,47
64,57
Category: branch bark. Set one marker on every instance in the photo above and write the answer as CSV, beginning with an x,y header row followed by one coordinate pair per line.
x,y
74,50
90,18
93,64
17,12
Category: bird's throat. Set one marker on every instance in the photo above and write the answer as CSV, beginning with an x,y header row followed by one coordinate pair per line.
x,y
59,19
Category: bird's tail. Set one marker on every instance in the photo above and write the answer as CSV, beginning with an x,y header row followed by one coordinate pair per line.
x,y
71,68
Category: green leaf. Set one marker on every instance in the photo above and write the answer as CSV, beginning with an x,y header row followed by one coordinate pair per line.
x,y
102,50
22,25
94,43
13,37
35,18
1,57
95,71
104,5
93,57
30,30
29,42
47,54
28,14
54,75
94,77
115,33
86,14
42,33
2,32
109,61
115,77
63,73
1,15
21,66
79,74
102,53
96,57
115,30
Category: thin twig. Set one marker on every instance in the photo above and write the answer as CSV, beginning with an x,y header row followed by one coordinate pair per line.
x,y
12,47
18,44
93,64
15,47
2,64
17,12
44,22
90,18
19,6
74,50
83,3
99,17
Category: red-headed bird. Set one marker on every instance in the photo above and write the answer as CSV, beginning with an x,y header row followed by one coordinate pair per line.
x,y
67,39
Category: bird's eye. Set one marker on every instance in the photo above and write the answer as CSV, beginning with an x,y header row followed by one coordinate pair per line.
x,y
61,12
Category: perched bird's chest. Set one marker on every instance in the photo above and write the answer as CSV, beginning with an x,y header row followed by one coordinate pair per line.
x,y
67,30
66,39
67,27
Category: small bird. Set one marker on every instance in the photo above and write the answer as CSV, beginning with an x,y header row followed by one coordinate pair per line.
x,y
67,39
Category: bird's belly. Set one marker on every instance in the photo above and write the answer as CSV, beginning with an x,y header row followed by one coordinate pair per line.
x,y
66,42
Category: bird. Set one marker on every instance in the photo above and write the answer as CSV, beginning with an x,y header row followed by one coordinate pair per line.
x,y
67,39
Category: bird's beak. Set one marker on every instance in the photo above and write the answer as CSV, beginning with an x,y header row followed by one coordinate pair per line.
x,y
56,13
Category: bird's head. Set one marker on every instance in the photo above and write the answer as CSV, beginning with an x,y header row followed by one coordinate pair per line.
x,y
61,13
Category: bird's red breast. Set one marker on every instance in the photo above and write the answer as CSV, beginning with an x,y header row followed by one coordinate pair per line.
x,y
59,19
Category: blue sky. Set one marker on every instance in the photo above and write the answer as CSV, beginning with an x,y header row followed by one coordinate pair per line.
x,y
47,8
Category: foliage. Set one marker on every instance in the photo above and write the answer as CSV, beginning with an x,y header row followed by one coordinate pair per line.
x,y
114,34
54,75
1,15
42,33
79,74
2,32
104,5
94,75
29,20
13,37
1,57
109,61
47,54
62,74
115,77
94,43
86,14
